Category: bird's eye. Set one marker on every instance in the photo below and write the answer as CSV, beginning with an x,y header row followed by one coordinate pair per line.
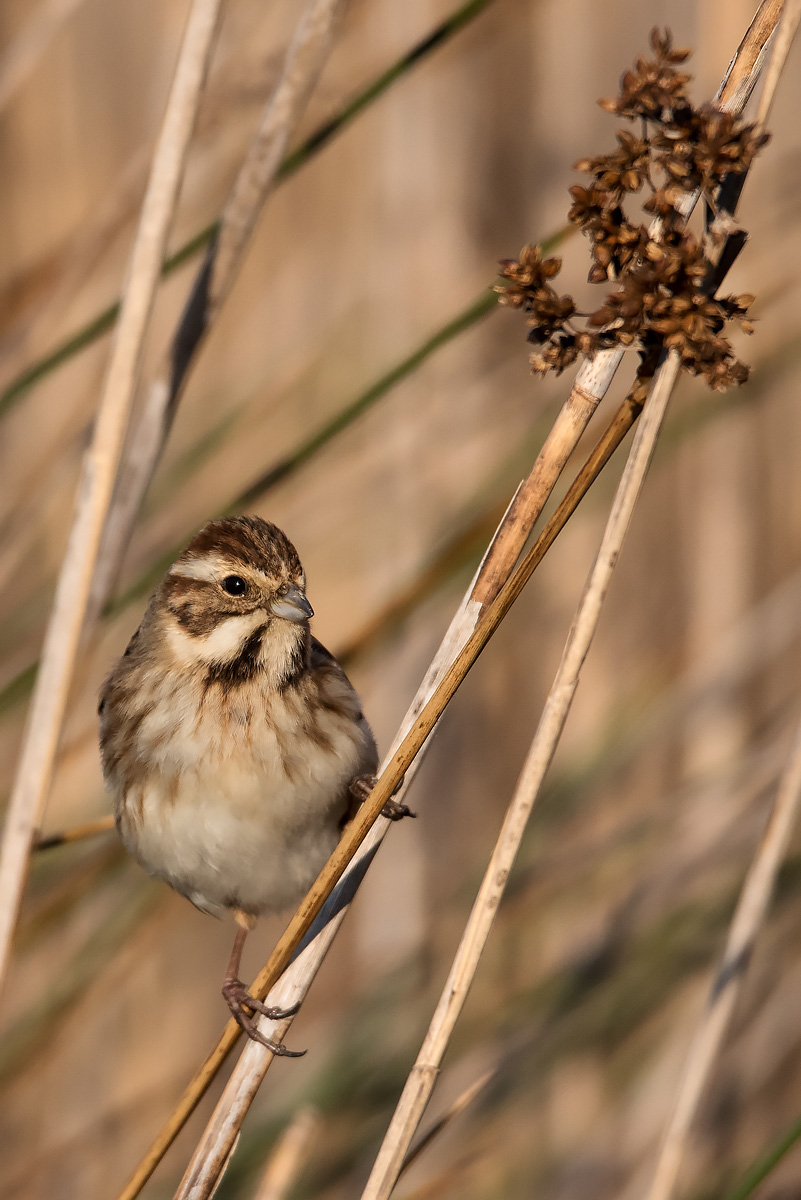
x,y
234,585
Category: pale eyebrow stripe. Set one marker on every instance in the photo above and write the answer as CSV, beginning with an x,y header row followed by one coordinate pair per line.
x,y
206,568
209,568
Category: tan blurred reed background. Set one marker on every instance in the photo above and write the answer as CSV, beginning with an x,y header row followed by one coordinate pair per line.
x,y
616,914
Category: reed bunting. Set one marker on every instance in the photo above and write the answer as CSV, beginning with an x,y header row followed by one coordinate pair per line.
x,y
233,743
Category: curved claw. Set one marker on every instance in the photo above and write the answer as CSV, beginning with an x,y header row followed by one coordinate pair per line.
x,y
394,810
236,995
255,1035
238,999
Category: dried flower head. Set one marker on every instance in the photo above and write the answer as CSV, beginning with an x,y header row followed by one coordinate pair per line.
x,y
699,150
664,295
624,170
528,288
654,89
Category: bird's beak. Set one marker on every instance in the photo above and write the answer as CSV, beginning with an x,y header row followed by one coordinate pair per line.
x,y
292,606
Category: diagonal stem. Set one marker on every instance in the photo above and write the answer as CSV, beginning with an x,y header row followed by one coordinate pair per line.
x,y
424,1073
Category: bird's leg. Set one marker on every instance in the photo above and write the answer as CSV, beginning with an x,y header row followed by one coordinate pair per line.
x,y
360,789
238,998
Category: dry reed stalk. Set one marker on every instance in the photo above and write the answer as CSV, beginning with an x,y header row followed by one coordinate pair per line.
x,y
305,58
423,1076
286,1159
462,1101
746,66
591,384
40,743
790,16
317,919
743,931
76,833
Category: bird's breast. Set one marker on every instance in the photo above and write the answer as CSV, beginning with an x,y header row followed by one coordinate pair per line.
x,y
241,797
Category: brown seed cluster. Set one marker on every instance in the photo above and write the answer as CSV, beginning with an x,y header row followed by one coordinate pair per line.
x,y
665,294
550,314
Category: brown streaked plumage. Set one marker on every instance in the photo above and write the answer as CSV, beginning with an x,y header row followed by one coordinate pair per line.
x,y
232,741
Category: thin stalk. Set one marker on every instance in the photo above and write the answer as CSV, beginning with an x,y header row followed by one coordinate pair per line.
x,y
40,742
462,1101
76,833
788,27
425,1071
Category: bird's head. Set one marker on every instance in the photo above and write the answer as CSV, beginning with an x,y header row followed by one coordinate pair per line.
x,y
235,601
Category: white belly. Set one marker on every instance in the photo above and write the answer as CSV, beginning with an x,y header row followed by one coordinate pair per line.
x,y
237,825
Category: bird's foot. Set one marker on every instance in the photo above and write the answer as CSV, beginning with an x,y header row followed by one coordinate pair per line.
x,y
239,999
393,810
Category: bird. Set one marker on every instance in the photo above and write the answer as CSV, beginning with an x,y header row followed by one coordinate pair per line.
x,y
232,742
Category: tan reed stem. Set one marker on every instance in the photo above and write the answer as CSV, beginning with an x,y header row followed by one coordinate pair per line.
x,y
462,1101
415,1096
423,1076
40,743
746,66
788,26
305,58
743,931
76,833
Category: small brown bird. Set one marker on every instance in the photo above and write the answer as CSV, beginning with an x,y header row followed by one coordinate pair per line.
x,y
233,743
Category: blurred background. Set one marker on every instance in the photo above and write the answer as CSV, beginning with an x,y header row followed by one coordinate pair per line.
x,y
616,914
